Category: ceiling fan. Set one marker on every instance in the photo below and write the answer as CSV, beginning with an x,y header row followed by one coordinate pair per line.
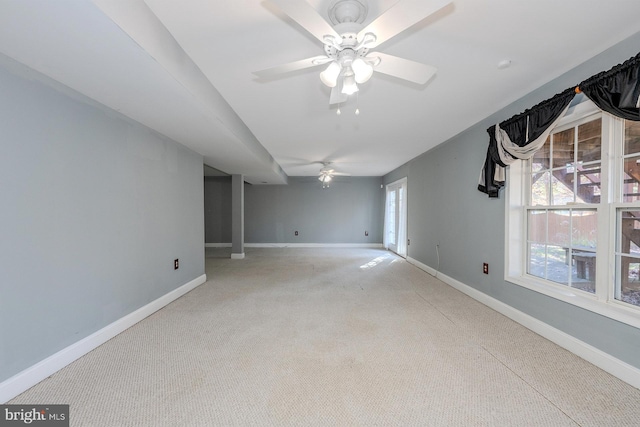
x,y
327,173
347,44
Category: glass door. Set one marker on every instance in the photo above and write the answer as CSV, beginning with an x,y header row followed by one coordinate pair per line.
x,y
395,237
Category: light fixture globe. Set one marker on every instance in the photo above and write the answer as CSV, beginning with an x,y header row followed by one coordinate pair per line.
x,y
349,86
362,70
330,76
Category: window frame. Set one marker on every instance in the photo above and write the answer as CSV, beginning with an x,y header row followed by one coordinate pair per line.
x,y
603,301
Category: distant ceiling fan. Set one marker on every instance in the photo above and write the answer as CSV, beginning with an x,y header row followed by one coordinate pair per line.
x,y
327,173
347,45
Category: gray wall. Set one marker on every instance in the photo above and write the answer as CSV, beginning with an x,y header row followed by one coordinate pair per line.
x,y
93,211
338,214
445,208
217,209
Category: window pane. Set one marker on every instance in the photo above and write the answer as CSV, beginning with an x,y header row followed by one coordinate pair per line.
x,y
589,141
562,246
584,239
631,137
557,266
391,214
537,258
631,178
537,224
628,268
629,232
562,186
629,287
563,148
589,183
542,158
559,226
583,270
540,188
584,229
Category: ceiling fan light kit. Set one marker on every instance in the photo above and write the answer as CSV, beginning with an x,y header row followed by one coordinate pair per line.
x,y
347,44
346,52
325,179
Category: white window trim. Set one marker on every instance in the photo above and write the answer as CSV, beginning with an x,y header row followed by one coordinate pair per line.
x,y
603,301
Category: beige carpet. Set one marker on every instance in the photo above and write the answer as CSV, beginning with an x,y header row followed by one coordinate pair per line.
x,y
332,337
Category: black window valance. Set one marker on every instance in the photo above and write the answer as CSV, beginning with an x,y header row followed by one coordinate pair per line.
x,y
616,91
522,130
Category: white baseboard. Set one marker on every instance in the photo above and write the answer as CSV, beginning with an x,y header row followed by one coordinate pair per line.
x,y
217,245
31,376
421,266
599,358
314,245
237,256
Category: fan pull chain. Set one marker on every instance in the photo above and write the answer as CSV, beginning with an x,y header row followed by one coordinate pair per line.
x,y
339,111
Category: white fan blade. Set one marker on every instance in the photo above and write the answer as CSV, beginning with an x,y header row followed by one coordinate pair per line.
x,y
404,69
399,17
337,97
292,66
341,174
305,15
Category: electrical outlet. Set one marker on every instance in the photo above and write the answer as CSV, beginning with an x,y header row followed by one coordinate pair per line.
x,y
176,264
366,233
295,232
408,242
485,268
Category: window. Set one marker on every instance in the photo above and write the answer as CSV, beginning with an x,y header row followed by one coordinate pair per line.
x,y
573,229
565,172
627,253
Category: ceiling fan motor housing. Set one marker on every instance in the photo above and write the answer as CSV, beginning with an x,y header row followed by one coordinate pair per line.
x,y
347,50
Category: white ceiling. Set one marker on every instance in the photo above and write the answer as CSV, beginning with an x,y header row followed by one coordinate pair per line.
x,y
184,68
